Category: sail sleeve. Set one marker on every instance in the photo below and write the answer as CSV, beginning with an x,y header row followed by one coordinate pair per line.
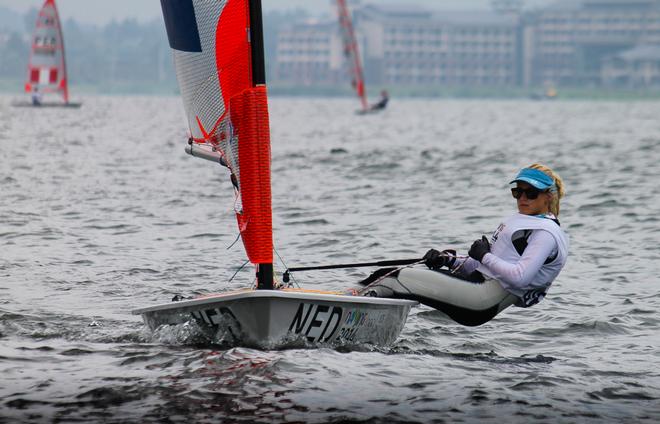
x,y
227,113
47,67
249,114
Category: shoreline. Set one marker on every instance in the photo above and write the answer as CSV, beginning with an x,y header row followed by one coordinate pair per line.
x,y
13,87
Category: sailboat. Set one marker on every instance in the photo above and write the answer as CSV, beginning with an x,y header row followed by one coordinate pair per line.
x,y
352,54
46,73
219,59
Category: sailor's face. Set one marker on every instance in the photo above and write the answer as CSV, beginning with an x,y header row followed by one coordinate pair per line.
x,y
537,206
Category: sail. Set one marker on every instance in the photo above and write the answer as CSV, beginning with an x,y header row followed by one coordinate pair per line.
x,y
351,52
218,58
47,66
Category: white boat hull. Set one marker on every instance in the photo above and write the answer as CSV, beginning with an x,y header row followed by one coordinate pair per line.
x,y
70,105
276,318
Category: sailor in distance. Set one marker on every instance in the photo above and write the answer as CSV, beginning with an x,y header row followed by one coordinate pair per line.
x,y
526,252
36,97
382,103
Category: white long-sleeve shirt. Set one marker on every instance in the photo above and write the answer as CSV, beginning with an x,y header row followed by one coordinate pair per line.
x,y
540,246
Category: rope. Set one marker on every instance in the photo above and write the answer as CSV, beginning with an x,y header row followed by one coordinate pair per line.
x,y
387,275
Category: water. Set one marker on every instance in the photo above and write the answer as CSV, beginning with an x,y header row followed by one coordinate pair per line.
x,y
101,212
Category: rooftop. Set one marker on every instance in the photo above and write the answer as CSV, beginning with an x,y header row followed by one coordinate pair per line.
x,y
399,13
641,52
567,5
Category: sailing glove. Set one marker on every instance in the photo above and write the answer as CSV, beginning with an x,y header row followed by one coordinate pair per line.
x,y
436,260
479,249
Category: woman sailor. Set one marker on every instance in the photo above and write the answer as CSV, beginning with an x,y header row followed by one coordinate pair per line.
x,y
526,252
524,256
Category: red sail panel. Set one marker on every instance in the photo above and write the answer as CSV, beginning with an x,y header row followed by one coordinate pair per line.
x,y
233,50
249,115
351,52
47,66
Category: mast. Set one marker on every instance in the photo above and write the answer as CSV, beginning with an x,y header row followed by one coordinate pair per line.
x,y
257,44
264,270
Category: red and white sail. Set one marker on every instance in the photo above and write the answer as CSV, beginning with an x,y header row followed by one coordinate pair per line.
x,y
216,50
351,52
47,65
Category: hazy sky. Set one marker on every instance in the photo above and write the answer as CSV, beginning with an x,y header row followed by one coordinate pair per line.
x,y
103,11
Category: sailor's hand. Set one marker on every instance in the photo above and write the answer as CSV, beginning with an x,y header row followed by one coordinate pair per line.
x,y
432,259
436,260
450,257
479,249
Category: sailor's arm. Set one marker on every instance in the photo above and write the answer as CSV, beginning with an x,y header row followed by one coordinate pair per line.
x,y
540,246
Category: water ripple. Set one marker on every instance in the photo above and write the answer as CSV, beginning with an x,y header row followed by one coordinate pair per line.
x,y
96,222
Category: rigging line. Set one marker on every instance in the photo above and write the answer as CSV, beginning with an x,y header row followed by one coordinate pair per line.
x,y
286,267
460,266
234,242
239,270
387,275
375,283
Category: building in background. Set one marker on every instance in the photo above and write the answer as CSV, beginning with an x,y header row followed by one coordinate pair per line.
x,y
405,45
635,68
309,53
569,43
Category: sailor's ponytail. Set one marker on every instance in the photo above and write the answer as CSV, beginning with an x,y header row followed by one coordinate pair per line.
x,y
557,191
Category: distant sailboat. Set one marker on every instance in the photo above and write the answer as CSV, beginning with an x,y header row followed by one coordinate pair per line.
x,y
352,54
46,73
219,59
